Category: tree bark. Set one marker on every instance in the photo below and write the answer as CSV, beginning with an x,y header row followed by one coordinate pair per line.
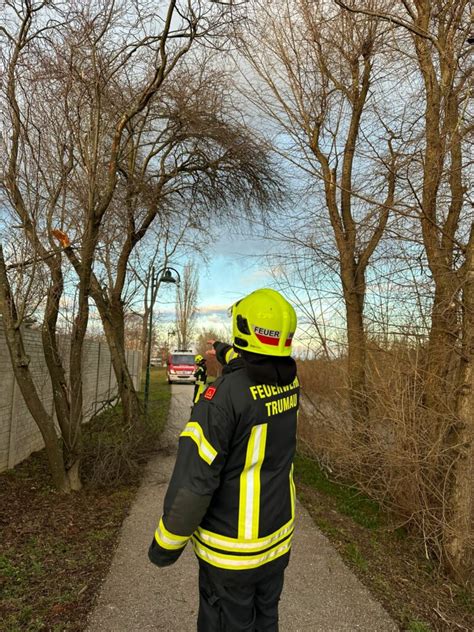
x,y
354,256
354,295
70,434
113,321
459,532
442,342
112,316
20,363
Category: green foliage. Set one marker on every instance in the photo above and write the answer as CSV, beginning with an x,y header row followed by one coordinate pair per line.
x,y
465,598
326,527
355,556
349,501
418,626
158,401
20,570
7,569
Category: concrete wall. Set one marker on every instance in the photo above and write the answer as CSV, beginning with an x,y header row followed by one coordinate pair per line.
x,y
19,434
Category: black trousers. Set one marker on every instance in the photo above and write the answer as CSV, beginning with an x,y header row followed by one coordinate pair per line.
x,y
228,604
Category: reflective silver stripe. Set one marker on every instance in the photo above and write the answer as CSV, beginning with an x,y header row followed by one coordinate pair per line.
x,y
234,544
169,540
240,562
194,431
249,500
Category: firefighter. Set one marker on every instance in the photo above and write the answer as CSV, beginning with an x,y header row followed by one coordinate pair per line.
x,y
201,376
232,492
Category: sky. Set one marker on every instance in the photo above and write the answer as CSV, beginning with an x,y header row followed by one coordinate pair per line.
x,y
233,271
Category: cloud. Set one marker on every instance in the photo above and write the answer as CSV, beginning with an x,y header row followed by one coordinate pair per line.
x,y
213,309
257,277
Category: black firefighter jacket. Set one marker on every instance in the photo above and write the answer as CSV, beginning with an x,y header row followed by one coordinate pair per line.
x,y
232,492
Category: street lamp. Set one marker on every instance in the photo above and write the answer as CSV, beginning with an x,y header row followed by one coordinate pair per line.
x,y
166,277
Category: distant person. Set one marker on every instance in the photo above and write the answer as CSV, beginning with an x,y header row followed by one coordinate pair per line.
x,y
200,375
232,492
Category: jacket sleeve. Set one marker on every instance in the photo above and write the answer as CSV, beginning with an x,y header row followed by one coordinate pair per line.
x,y
224,352
202,452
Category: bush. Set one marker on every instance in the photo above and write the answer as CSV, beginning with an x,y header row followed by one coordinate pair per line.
x,y
404,460
114,454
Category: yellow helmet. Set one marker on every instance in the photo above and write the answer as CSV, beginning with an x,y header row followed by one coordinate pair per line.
x,y
264,322
198,358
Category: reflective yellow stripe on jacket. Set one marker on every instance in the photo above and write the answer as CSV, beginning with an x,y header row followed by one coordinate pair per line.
x,y
244,553
292,492
200,391
240,562
231,354
249,502
194,431
168,540
236,545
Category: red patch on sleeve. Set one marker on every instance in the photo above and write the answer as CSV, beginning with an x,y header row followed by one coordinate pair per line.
x,y
210,392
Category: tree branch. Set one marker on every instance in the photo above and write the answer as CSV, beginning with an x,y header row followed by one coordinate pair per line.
x,y
392,19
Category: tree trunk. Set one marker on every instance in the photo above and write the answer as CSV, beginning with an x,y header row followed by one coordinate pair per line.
x,y
77,339
354,292
449,404
459,532
44,421
131,404
111,313
59,381
443,338
20,363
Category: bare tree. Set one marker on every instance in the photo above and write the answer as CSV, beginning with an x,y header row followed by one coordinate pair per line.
x,y
439,32
318,69
183,158
20,363
73,61
28,194
186,305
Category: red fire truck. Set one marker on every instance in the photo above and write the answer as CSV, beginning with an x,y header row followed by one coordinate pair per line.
x,y
181,366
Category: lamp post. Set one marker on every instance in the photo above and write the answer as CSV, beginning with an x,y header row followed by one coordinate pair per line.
x,y
170,333
166,277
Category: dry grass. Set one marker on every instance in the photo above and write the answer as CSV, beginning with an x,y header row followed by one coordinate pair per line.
x,y
404,461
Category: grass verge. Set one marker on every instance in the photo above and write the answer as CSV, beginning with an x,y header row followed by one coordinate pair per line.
x,y
387,559
56,549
